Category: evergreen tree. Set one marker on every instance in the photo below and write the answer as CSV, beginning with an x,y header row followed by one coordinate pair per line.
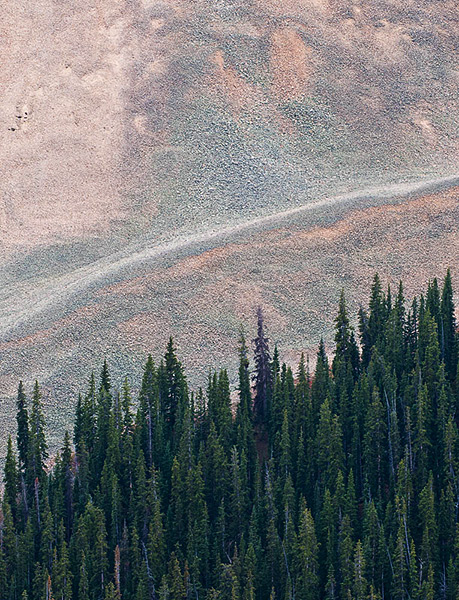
x,y
330,457
244,417
22,420
360,583
429,526
173,391
148,409
447,331
38,449
375,445
307,557
342,331
10,479
378,312
320,388
263,374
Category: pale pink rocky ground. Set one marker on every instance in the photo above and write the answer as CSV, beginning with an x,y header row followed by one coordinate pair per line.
x,y
126,124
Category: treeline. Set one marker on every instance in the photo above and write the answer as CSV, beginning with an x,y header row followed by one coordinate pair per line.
x,y
340,484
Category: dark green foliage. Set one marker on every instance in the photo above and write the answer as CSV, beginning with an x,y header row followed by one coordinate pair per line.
x,y
22,419
38,449
342,485
447,330
10,478
173,389
263,373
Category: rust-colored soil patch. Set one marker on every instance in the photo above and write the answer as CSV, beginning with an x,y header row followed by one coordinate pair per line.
x,y
291,65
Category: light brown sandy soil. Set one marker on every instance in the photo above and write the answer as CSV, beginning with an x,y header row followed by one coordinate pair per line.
x,y
96,99
63,74
232,89
291,65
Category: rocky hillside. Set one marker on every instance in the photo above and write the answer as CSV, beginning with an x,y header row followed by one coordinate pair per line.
x,y
134,126
138,116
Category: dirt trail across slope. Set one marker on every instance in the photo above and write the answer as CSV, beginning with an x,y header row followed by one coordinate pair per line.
x,y
54,295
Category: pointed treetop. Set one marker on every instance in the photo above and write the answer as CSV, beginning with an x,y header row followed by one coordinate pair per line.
x,y
302,372
23,435
105,378
263,374
321,354
342,328
243,350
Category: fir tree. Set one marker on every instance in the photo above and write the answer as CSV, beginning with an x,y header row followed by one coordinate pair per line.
x,y
307,557
447,331
10,479
263,374
22,420
38,449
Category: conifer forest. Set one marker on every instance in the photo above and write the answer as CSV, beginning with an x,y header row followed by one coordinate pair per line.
x,y
335,482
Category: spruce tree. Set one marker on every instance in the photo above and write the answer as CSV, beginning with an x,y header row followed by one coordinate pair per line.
x,y
307,558
360,586
10,479
378,313
175,393
320,388
263,373
38,448
447,332
22,420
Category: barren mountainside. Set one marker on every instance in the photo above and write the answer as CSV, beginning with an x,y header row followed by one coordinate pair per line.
x,y
133,130
160,112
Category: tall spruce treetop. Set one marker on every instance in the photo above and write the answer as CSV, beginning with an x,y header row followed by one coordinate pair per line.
x,y
377,311
447,331
245,396
342,329
346,347
320,387
400,303
174,389
126,404
38,446
105,383
433,301
388,300
22,419
104,406
148,391
263,372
